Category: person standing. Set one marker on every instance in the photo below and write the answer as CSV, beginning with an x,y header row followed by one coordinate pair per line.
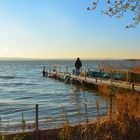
x,y
78,65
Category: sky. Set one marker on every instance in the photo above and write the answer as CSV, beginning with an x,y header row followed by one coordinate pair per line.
x,y
64,29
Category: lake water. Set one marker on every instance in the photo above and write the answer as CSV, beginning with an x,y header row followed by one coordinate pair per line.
x,y
22,86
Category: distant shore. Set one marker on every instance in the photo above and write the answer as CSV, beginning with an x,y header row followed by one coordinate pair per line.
x,y
132,59
44,59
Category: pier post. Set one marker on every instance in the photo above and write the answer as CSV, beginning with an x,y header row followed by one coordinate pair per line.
x,y
111,76
97,107
100,74
133,89
128,77
86,113
36,122
49,72
96,79
88,72
56,75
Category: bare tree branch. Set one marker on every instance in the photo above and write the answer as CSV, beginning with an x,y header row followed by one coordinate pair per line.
x,y
118,8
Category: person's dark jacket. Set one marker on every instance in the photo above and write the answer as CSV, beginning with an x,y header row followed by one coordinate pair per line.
x,y
78,64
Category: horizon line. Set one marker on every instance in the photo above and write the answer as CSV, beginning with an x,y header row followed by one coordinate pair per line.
x,y
22,58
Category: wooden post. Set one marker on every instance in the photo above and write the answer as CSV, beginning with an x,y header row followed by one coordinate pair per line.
x,y
96,79
36,122
49,72
88,72
86,113
128,77
100,73
133,88
111,77
56,74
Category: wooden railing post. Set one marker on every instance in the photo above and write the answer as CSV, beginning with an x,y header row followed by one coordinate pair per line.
x,y
36,122
86,113
85,74
133,88
128,77
96,79
49,72
111,76
100,74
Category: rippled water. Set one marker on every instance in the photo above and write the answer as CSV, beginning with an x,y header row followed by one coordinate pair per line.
x,y
22,86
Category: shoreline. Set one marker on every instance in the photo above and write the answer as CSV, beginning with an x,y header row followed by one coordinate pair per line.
x,y
49,133
54,133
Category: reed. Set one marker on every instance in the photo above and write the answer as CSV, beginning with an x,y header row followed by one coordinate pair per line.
x,y
122,124
23,125
66,131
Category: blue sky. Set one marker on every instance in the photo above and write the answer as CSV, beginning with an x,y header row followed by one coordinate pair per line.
x,y
64,29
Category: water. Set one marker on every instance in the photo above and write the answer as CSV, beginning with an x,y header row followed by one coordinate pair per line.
x,y
22,86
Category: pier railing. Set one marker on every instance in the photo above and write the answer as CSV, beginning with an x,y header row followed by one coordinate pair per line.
x,y
124,78
113,75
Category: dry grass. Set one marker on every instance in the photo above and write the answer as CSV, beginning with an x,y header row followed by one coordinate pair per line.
x,y
123,124
136,69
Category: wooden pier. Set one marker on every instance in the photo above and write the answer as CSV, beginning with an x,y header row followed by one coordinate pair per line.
x,y
97,83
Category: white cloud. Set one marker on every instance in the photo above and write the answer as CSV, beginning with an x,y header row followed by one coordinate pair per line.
x,y
4,49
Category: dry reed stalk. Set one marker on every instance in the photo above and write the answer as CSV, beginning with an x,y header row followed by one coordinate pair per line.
x,y
66,131
97,107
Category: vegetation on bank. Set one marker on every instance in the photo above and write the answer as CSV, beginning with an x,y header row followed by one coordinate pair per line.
x,y
120,124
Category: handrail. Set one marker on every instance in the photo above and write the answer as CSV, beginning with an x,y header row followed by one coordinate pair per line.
x,y
125,75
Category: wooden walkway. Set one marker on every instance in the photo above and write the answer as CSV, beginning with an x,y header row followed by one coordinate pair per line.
x,y
95,83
